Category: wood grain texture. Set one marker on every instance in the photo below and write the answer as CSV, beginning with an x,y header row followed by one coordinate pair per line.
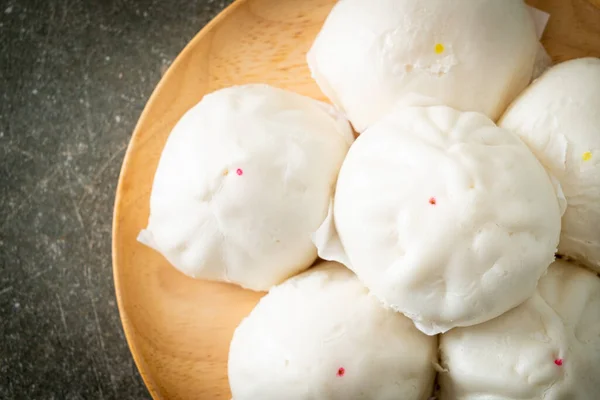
x,y
573,30
178,328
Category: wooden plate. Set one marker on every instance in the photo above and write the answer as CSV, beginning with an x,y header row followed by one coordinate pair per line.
x,y
178,328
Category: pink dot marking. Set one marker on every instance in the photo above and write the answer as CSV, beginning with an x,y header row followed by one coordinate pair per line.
x,y
341,371
558,362
432,201
239,171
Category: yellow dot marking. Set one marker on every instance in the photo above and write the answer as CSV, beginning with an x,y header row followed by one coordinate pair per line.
x,y
439,48
225,172
587,156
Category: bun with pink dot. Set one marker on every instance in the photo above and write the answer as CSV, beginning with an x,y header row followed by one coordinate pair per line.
x,y
547,348
206,206
320,335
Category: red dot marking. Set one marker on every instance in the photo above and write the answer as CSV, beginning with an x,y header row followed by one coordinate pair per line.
x,y
239,171
341,371
558,362
432,201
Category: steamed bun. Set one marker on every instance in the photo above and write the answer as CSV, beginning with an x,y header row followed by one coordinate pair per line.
x,y
321,336
443,216
244,179
558,117
547,348
470,55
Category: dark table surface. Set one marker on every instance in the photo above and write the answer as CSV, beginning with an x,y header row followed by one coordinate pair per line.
x,y
74,77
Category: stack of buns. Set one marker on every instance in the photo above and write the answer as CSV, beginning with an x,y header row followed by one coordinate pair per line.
x,y
452,249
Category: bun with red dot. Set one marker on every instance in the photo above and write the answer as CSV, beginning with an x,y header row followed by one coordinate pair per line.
x,y
320,335
547,348
443,216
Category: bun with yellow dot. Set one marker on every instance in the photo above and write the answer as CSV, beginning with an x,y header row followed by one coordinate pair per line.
x,y
320,335
558,117
547,348
244,178
470,55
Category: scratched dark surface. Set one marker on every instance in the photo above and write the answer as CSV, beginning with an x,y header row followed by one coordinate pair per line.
x,y
74,77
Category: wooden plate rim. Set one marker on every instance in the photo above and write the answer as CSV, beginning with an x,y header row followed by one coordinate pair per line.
x,y
124,168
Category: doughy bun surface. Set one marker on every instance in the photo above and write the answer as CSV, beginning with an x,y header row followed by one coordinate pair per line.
x,y
558,117
320,335
472,56
547,348
244,179
445,217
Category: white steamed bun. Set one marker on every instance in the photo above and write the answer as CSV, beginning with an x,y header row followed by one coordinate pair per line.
x,y
547,348
321,336
558,117
443,216
244,179
470,55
